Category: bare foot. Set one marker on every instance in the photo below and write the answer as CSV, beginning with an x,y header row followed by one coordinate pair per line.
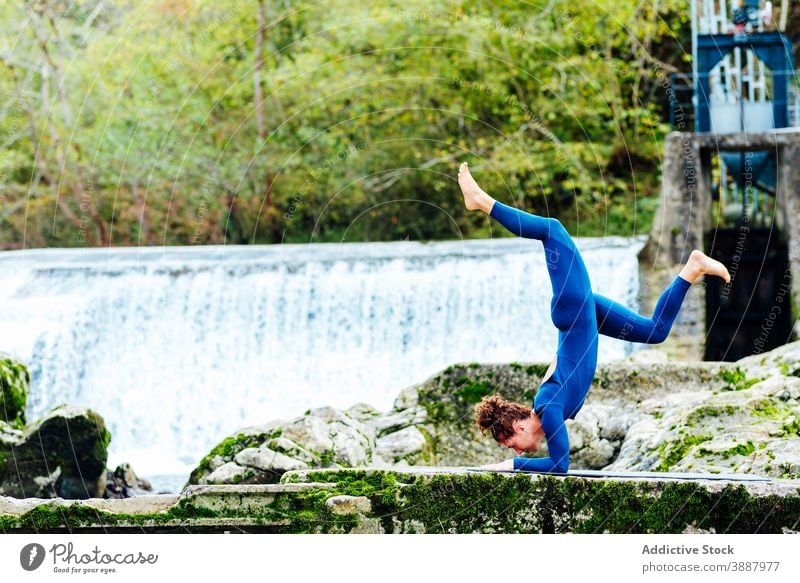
x,y
699,263
474,197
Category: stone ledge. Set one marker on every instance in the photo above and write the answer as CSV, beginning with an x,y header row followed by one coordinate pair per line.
x,y
433,500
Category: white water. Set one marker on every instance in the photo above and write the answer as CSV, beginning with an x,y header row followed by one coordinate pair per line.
x,y
176,348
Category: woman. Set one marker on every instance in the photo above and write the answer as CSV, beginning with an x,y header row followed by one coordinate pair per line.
x,y
580,316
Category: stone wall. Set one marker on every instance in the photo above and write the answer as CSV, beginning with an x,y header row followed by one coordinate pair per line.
x,y
429,500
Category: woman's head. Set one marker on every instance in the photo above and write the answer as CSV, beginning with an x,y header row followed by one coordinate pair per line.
x,y
511,424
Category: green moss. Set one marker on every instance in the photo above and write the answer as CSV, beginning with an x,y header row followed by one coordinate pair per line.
x,y
14,382
537,370
673,452
308,512
473,392
326,459
788,471
742,449
436,411
736,379
709,411
601,379
766,408
792,428
50,516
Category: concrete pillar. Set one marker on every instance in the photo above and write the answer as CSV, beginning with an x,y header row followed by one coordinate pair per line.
x,y
678,227
789,207
685,201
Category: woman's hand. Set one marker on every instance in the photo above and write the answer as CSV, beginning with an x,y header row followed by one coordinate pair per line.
x,y
504,465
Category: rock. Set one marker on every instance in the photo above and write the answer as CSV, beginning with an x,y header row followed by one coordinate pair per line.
x,y
229,473
9,435
14,382
216,461
331,415
324,437
643,436
401,443
363,412
345,504
351,447
312,432
395,421
224,452
352,440
617,426
62,455
124,483
408,397
290,448
597,455
266,459
580,435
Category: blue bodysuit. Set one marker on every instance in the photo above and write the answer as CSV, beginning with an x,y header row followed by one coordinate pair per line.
x,y
580,315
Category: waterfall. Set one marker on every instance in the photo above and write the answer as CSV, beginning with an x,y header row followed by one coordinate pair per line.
x,y
177,348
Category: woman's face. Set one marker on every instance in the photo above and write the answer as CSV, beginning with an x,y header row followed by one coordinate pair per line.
x,y
524,438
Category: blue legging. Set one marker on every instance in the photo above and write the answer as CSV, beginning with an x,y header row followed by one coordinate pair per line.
x,y
579,314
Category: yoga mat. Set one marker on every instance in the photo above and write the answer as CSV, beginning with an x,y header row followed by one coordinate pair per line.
x,y
649,475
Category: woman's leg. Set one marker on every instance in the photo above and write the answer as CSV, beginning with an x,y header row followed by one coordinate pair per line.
x,y
572,293
617,321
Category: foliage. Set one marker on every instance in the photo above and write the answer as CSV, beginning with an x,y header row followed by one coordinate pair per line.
x,y
135,122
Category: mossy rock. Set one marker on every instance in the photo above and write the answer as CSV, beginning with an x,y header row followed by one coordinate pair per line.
x,y
62,455
232,445
14,382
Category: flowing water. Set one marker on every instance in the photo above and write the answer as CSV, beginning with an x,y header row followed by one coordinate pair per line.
x,y
177,348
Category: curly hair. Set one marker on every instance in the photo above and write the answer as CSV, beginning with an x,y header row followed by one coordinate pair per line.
x,y
497,415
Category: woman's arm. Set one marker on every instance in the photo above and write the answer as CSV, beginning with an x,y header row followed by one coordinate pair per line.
x,y
555,432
